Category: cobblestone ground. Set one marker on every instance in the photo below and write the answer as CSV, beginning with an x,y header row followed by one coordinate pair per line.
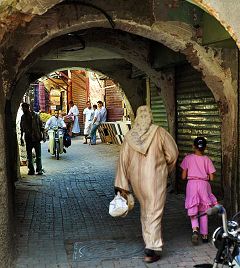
x,y
62,217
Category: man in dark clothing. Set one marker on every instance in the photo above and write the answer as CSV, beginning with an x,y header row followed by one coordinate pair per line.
x,y
31,126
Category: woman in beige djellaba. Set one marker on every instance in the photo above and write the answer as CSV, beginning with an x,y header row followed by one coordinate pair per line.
x,y
147,155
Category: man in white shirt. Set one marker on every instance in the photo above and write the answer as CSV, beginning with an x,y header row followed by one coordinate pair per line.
x,y
88,114
74,112
102,111
95,125
55,122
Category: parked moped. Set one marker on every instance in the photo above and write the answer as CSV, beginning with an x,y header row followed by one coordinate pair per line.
x,y
226,239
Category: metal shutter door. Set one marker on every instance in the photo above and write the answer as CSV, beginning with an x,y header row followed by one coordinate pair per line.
x,y
158,108
197,115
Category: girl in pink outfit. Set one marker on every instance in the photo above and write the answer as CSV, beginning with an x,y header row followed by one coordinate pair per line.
x,y
198,169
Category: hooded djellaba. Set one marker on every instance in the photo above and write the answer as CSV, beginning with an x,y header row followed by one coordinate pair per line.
x,y
147,155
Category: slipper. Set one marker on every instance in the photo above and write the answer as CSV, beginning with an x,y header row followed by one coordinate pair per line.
x,y
195,238
151,256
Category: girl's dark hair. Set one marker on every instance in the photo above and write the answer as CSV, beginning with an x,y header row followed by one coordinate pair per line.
x,y
200,143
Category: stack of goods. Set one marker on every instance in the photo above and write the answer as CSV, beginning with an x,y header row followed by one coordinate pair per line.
x,y
44,117
107,133
113,132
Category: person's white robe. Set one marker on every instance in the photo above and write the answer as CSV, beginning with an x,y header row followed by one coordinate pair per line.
x,y
74,111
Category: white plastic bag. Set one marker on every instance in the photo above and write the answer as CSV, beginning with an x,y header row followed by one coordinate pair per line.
x,y
118,206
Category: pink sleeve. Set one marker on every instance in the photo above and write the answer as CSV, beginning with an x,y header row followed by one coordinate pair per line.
x,y
184,164
210,167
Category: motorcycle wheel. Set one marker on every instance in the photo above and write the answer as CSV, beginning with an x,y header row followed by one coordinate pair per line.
x,y
57,150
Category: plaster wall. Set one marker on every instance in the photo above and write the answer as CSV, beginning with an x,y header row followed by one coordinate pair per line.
x,y
226,12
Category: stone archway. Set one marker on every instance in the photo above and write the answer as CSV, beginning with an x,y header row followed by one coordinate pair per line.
x,y
177,36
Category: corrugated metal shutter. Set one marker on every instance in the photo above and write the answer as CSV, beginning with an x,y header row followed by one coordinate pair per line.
x,y
114,102
197,115
158,108
79,93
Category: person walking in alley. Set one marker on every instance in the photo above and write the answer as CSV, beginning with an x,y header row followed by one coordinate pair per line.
x,y
198,169
88,114
74,112
95,125
31,126
147,155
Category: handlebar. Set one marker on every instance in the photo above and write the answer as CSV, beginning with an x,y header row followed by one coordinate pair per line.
x,y
217,209
55,128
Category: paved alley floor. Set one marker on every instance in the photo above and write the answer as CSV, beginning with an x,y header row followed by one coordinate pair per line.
x,y
63,221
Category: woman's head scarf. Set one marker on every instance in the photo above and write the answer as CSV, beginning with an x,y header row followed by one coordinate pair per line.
x,y
143,130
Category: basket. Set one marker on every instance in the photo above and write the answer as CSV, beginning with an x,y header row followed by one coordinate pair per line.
x,y
68,119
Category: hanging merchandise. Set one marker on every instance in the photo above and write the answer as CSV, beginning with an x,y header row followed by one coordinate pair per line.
x,y
41,93
36,98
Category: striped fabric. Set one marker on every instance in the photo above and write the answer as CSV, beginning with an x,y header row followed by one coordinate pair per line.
x,y
41,94
36,99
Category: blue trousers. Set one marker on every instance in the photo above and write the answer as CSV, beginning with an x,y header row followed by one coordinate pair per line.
x,y
93,133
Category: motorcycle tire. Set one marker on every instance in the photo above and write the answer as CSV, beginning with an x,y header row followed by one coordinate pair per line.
x,y
57,150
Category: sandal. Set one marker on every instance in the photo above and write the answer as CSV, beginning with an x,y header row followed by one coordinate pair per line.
x,y
205,239
195,236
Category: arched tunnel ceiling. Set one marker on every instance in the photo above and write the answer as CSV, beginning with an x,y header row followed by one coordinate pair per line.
x,y
98,53
86,54
104,49
107,66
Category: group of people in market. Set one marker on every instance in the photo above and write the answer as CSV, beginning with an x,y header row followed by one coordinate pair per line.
x,y
148,155
31,127
93,117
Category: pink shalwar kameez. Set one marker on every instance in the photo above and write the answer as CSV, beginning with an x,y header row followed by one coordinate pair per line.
x,y
199,195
